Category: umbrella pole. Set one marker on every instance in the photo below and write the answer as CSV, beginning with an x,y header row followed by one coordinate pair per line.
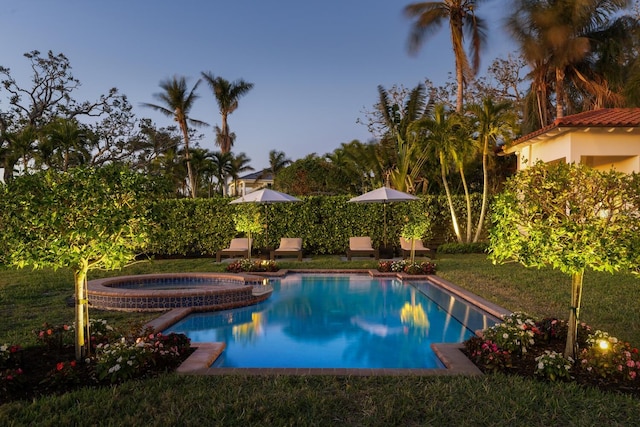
x,y
266,229
384,232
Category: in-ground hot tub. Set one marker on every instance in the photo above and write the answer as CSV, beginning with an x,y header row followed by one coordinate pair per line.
x,y
161,292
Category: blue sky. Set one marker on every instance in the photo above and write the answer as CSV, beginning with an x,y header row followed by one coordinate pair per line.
x,y
315,65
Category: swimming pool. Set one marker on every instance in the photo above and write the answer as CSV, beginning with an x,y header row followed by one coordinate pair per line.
x,y
338,321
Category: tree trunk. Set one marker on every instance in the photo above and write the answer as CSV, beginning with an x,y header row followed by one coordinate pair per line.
x,y
468,200
460,89
187,156
485,189
571,348
454,220
225,147
559,93
82,313
413,250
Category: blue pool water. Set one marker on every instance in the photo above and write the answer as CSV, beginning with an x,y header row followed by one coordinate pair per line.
x,y
338,321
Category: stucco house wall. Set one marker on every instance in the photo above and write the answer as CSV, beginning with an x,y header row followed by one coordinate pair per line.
x,y
603,139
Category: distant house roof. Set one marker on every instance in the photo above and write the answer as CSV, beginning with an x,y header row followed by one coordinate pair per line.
x,y
602,118
264,175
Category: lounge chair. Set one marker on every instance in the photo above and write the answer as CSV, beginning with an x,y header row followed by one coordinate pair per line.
x,y
419,248
289,246
237,247
361,246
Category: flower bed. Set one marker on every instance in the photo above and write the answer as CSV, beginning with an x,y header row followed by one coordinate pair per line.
x,y
51,367
521,345
247,265
405,266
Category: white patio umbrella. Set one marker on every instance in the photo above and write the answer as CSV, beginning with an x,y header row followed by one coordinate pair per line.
x,y
266,196
384,195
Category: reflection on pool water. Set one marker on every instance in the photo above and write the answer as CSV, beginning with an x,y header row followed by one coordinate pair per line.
x,y
338,321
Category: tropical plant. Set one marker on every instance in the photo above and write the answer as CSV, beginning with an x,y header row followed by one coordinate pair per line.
x,y
20,146
84,219
227,95
239,164
571,218
202,166
277,161
493,122
66,144
177,102
444,133
561,41
460,15
397,118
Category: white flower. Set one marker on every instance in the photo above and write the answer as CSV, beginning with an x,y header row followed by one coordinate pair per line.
x,y
505,335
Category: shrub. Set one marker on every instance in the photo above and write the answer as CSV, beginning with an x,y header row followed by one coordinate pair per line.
x,y
463,248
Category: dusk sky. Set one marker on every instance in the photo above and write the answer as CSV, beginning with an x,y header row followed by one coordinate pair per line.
x,y
315,65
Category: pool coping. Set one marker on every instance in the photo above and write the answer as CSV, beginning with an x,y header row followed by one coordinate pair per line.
x,y
450,354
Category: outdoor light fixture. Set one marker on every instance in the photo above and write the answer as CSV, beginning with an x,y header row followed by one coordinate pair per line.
x,y
603,344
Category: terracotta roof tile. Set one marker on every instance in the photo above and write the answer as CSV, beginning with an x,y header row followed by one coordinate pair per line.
x,y
605,117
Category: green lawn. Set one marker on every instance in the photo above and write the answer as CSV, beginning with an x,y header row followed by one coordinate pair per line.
x,y
610,303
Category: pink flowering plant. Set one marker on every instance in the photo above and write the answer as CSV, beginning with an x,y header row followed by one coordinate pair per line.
x,y
54,337
515,334
247,265
487,354
406,266
10,370
607,357
132,358
65,372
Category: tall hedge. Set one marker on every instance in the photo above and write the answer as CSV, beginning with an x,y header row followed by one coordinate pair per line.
x,y
200,227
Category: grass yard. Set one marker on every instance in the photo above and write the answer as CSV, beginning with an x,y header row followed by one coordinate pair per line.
x,y
28,299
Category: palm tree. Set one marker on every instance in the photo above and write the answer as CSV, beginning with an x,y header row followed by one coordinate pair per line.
x,y
408,158
492,123
20,146
277,161
177,103
201,164
227,95
444,134
66,141
460,14
222,169
557,38
239,164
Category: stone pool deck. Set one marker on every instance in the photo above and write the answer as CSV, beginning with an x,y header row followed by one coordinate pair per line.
x,y
450,354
